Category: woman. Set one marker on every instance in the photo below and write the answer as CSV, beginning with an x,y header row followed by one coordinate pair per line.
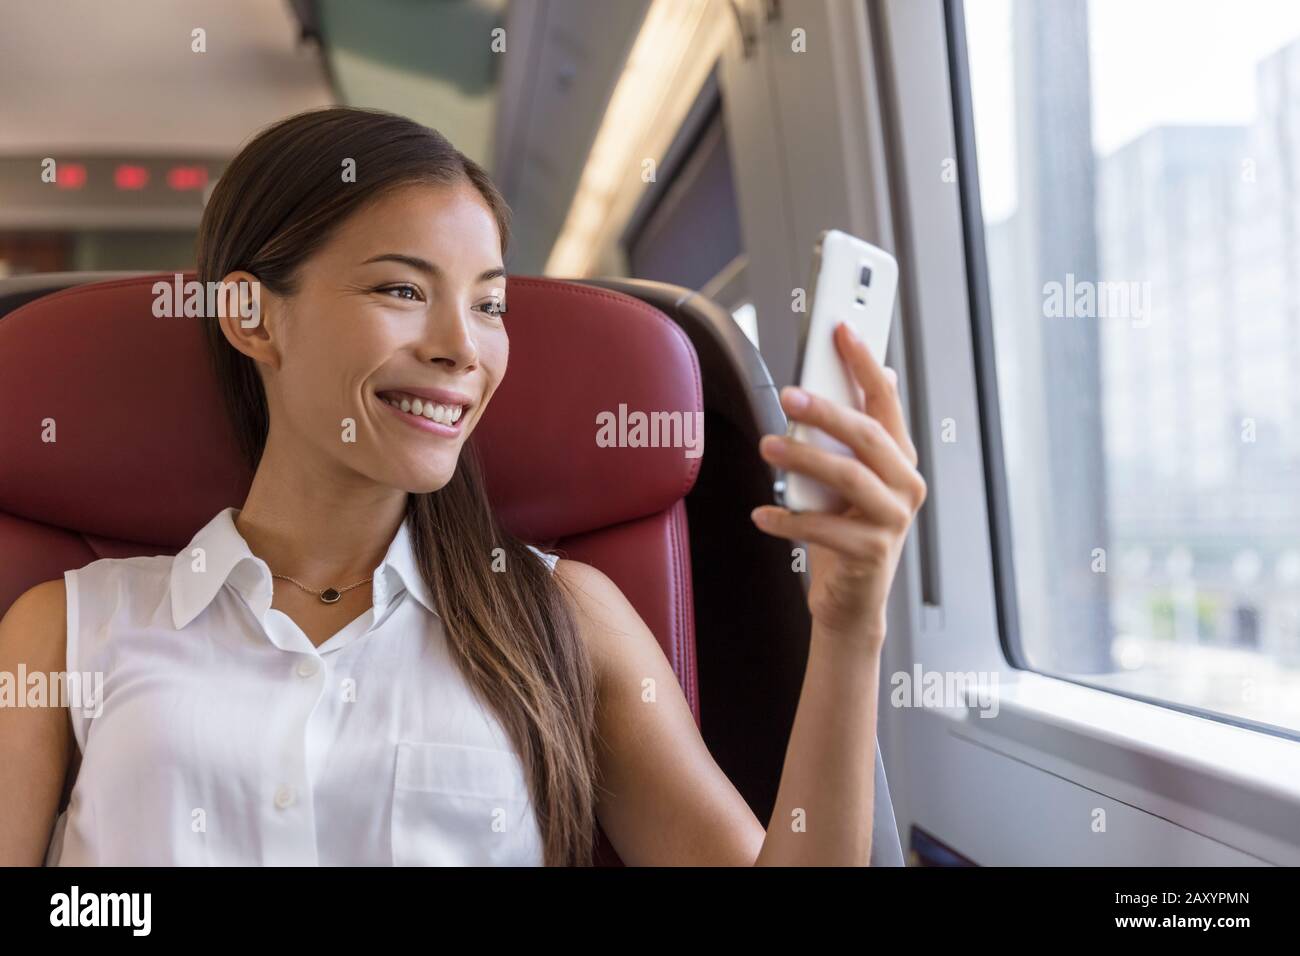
x,y
338,672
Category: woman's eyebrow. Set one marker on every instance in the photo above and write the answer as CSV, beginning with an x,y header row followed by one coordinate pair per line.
x,y
430,268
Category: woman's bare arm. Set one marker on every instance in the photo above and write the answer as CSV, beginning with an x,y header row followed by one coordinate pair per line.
x,y
825,804
665,801
36,743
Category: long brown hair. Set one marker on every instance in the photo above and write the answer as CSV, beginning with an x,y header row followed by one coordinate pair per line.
x,y
516,642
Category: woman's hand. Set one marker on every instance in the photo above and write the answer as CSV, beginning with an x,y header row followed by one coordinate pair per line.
x,y
852,555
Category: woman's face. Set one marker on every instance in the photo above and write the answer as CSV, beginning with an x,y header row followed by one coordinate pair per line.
x,y
398,312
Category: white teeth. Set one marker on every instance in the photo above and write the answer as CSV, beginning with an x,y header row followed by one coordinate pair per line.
x,y
443,414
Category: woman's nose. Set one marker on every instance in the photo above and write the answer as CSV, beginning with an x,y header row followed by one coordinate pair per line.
x,y
449,338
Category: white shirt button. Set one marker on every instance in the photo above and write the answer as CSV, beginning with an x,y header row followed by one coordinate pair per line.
x,y
284,797
308,666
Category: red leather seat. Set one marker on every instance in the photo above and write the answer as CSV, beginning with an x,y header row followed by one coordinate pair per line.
x,y
143,456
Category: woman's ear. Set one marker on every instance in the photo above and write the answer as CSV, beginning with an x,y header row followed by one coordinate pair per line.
x,y
246,319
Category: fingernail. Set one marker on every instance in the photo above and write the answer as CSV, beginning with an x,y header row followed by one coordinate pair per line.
x,y
852,333
775,444
758,516
796,398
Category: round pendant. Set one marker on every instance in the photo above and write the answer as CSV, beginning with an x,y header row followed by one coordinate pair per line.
x,y
330,595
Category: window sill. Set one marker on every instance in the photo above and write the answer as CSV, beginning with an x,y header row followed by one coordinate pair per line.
x,y
1230,784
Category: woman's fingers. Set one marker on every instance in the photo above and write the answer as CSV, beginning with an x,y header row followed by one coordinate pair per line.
x,y
862,542
879,387
867,437
858,484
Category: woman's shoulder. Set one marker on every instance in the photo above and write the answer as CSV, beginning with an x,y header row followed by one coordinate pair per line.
x,y
99,586
38,619
139,574
33,629
611,627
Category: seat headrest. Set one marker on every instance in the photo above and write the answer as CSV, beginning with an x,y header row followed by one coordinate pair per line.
x,y
113,425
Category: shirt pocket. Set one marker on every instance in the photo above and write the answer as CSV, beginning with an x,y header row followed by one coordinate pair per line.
x,y
456,805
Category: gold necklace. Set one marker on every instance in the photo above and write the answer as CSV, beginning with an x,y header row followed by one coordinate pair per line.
x,y
328,595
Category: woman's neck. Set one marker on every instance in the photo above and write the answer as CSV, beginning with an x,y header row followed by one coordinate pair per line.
x,y
325,530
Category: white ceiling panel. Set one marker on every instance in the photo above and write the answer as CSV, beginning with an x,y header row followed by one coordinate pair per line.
x,y
94,75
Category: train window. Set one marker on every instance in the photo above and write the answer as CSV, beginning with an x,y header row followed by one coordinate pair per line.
x,y
686,231
1140,204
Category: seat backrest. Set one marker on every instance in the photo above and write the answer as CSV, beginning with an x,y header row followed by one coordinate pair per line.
x,y
114,442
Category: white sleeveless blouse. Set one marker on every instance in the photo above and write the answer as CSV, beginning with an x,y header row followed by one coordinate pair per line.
x,y
224,737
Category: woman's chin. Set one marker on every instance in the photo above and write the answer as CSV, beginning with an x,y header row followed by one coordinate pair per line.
x,y
421,482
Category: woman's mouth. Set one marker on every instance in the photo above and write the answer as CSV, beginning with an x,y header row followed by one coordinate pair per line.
x,y
436,417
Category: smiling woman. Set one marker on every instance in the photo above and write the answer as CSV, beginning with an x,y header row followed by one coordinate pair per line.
x,y
391,288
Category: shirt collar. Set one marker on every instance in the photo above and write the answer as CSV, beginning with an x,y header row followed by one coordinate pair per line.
x,y
399,571
218,555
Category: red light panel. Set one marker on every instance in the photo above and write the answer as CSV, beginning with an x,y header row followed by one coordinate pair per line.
x,y
130,177
70,176
183,178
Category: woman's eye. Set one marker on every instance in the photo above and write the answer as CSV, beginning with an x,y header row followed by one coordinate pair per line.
x,y
401,291
494,308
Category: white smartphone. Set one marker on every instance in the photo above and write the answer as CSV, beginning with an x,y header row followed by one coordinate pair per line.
x,y
853,282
